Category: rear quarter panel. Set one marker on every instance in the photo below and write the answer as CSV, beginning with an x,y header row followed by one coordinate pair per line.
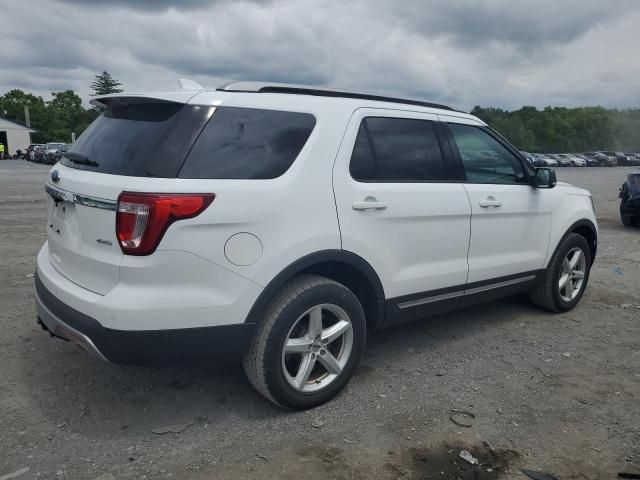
x,y
292,215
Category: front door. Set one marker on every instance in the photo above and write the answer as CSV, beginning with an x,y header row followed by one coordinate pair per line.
x,y
401,209
510,220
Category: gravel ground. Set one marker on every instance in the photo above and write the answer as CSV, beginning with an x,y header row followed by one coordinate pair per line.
x,y
556,393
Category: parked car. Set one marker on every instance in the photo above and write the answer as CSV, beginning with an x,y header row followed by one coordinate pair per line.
x,y
546,160
52,152
562,162
602,159
590,161
630,200
531,159
284,222
32,150
633,158
39,154
621,158
573,160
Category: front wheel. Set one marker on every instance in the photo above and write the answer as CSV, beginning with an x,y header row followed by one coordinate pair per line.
x,y
566,276
308,343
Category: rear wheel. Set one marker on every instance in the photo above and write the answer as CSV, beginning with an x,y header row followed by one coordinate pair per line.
x,y
566,276
308,344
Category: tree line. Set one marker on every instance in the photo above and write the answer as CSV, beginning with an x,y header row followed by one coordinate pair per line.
x,y
570,130
56,119
550,130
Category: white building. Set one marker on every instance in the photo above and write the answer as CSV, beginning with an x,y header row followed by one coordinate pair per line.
x,y
15,136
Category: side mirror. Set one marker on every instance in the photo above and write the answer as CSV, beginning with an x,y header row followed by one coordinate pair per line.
x,y
544,178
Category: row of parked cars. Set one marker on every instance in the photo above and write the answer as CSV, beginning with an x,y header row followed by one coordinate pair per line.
x,y
586,159
47,153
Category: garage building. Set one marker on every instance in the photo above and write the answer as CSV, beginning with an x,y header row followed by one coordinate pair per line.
x,y
14,136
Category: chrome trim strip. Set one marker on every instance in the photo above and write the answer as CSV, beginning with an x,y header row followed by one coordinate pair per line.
x,y
434,298
57,194
94,202
493,286
60,195
460,293
62,330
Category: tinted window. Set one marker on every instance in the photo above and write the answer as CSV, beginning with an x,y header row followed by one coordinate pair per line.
x,y
363,166
138,139
485,159
396,149
246,143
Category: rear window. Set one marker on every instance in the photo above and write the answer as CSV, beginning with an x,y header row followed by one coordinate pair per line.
x,y
147,138
140,139
247,143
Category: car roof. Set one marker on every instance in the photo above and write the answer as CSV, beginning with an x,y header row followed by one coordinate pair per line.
x,y
261,94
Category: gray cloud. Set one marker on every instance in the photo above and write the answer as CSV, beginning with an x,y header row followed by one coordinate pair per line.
x,y
496,52
526,24
148,4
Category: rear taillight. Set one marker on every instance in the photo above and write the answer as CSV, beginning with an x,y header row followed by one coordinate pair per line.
x,y
142,218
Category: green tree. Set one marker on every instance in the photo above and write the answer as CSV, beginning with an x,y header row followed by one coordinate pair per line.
x,y
54,120
104,84
66,103
558,129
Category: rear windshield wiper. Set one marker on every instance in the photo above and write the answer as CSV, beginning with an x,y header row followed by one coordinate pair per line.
x,y
80,159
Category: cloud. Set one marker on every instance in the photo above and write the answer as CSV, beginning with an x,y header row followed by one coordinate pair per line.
x,y
526,24
495,52
149,4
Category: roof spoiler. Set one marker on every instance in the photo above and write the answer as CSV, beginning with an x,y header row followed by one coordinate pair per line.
x,y
186,84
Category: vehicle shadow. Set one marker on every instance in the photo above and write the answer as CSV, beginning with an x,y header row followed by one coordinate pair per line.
x,y
104,400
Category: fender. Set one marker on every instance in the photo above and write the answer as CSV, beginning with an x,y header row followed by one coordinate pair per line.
x,y
317,258
575,225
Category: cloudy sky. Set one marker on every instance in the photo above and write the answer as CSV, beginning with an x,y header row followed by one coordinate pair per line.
x,y
505,53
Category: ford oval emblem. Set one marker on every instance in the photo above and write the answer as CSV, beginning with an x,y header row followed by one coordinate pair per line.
x,y
55,176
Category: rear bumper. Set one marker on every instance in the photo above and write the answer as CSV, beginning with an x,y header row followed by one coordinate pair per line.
x,y
131,346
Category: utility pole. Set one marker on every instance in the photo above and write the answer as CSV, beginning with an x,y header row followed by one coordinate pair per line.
x,y
27,119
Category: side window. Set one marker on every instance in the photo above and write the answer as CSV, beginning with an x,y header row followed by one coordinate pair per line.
x,y
248,143
396,149
485,159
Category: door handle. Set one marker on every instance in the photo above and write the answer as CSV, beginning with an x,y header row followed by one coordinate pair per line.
x,y
369,203
490,201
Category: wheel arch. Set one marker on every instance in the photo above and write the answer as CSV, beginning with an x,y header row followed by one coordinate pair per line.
x,y
586,229
340,265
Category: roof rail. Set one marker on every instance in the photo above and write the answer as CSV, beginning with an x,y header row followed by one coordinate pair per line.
x,y
258,87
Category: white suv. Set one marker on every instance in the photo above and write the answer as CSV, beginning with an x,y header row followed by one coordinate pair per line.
x,y
284,222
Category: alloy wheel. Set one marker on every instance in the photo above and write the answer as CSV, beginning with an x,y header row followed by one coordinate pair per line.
x,y
317,348
572,273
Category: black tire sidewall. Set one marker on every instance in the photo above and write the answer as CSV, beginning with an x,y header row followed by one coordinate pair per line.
x,y
571,241
277,384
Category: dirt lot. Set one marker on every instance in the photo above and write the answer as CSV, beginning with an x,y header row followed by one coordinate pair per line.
x,y
556,393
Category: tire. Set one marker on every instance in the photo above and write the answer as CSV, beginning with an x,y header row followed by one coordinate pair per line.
x,y
548,294
288,319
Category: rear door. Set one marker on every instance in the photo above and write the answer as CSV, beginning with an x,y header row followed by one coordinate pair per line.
x,y
132,138
510,220
400,208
